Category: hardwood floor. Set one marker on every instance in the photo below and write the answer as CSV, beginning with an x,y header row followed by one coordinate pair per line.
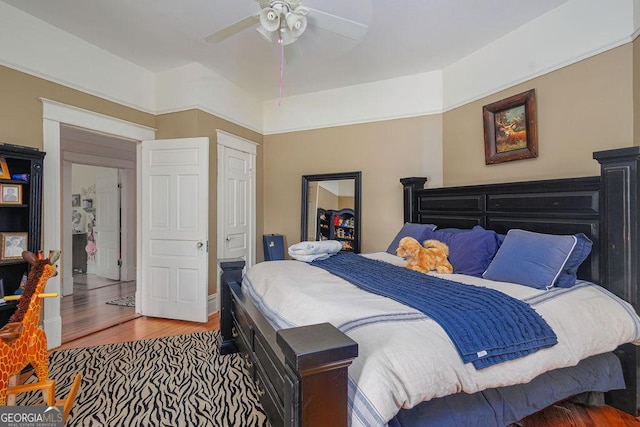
x,y
84,281
86,311
568,414
142,328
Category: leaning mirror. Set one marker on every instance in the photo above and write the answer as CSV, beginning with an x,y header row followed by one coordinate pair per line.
x,y
331,208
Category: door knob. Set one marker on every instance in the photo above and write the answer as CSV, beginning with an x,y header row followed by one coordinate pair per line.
x,y
199,245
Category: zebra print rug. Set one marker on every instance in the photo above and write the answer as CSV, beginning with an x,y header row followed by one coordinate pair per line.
x,y
174,381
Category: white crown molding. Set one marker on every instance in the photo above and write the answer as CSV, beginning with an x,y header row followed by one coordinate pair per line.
x,y
220,114
195,86
338,123
76,86
408,96
522,79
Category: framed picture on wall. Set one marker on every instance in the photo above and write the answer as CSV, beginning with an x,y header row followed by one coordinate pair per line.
x,y
75,200
11,194
12,245
510,129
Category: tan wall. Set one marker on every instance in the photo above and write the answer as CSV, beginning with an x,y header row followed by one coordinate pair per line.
x,y
582,108
21,108
194,123
326,199
346,202
383,151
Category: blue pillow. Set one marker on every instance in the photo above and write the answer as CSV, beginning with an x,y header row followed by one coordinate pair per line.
x,y
569,274
470,251
459,230
409,229
454,230
538,260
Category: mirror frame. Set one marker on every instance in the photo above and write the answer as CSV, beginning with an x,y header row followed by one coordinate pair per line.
x,y
306,179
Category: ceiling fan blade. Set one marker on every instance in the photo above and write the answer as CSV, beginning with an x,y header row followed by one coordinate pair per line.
x,y
341,26
232,29
293,53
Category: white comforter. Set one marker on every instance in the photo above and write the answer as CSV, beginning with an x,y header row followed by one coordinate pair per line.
x,y
405,357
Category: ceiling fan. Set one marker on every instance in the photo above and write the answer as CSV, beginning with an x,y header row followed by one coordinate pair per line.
x,y
283,21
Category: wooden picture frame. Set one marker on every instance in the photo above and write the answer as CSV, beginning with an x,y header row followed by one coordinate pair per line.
x,y
510,129
10,194
12,245
4,169
75,200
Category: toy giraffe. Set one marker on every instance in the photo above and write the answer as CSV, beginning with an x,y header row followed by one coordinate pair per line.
x,y
21,340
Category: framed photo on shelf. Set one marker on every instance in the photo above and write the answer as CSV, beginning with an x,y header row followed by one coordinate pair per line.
x,y
12,245
75,200
11,194
4,169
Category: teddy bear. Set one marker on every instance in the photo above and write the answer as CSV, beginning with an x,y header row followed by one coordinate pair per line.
x,y
431,255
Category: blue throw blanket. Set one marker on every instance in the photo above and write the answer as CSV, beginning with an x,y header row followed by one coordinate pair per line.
x,y
486,326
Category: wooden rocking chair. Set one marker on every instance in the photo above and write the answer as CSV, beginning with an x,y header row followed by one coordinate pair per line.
x,y
22,342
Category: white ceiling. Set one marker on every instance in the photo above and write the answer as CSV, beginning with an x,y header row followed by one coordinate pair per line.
x,y
404,37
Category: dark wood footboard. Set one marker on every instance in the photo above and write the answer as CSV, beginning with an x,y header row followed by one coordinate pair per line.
x,y
300,373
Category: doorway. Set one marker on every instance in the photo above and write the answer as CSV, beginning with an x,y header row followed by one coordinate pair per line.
x,y
236,232
98,286
97,300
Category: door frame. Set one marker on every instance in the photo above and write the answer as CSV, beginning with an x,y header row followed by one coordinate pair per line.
x,y
229,140
54,114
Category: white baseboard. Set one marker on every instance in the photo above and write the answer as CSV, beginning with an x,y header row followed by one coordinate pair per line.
x,y
212,304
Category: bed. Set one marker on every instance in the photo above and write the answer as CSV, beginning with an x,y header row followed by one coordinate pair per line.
x,y
302,372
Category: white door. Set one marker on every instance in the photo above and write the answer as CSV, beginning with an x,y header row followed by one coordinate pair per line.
x,y
236,216
173,219
107,226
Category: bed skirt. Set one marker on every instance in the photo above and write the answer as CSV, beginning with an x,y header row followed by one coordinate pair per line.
x,y
500,407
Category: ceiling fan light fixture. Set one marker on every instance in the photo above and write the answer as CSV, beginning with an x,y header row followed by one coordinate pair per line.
x,y
288,17
297,23
276,14
286,36
270,19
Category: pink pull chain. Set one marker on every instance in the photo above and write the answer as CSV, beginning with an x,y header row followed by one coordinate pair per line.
x,y
281,67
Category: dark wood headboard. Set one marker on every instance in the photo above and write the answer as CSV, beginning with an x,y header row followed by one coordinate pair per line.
x,y
565,206
605,208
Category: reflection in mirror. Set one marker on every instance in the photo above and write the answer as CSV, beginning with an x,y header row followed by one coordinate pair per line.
x,y
328,195
331,208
